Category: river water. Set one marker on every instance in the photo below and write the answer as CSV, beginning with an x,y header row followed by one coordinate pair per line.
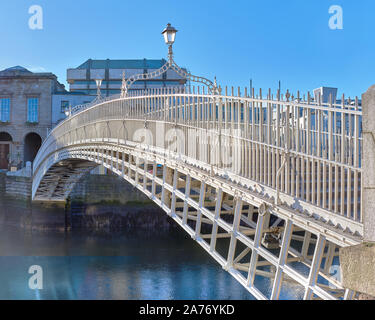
x,y
93,265
123,264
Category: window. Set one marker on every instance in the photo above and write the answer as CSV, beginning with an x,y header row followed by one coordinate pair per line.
x,y
64,106
4,109
32,110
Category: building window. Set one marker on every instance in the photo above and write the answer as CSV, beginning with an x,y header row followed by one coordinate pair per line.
x,y
32,110
64,106
4,109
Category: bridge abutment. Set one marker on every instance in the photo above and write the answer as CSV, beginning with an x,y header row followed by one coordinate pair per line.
x,y
357,262
357,266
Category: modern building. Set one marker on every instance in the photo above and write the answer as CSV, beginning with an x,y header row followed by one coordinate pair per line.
x,y
25,113
63,100
326,93
82,79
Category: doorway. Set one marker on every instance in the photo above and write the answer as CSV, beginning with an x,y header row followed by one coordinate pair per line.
x,y
33,141
5,142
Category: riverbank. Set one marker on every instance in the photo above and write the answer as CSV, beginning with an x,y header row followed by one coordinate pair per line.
x,y
96,202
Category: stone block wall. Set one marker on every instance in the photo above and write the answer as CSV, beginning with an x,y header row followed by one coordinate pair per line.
x,y
18,186
108,201
368,164
105,202
109,189
19,89
2,182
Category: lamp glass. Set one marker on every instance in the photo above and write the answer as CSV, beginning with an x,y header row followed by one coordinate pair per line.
x,y
169,36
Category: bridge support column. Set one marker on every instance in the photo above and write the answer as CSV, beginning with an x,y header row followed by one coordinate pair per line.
x,y
357,262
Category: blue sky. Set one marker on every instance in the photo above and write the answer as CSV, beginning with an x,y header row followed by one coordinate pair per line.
x,y
268,40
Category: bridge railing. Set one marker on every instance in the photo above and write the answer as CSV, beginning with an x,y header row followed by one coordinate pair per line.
x,y
305,148
78,108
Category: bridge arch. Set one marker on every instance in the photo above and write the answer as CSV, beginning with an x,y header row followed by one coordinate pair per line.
x,y
5,136
199,193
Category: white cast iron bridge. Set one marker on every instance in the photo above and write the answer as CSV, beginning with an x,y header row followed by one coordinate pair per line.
x,y
269,186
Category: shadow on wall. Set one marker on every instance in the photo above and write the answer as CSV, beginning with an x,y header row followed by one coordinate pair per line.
x,y
5,142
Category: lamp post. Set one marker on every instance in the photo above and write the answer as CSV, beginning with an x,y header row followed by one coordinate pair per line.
x,y
169,34
98,85
68,111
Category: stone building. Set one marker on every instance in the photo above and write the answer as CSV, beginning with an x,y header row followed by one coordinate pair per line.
x,y
25,113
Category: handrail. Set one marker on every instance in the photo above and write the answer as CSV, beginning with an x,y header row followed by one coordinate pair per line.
x,y
323,154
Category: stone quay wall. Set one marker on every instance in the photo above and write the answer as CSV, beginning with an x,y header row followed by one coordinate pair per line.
x,y
96,202
18,186
107,201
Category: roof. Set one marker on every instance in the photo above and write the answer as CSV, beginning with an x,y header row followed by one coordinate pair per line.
x,y
13,71
71,93
18,71
325,88
17,68
123,64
